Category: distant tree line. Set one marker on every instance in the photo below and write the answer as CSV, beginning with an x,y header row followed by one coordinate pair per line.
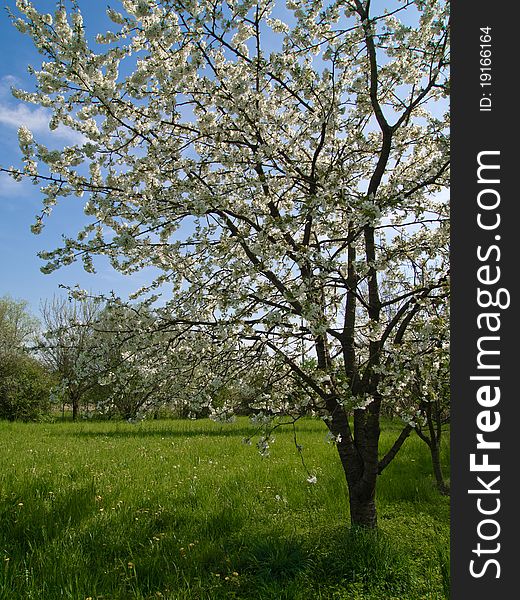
x,y
86,358
25,382
92,359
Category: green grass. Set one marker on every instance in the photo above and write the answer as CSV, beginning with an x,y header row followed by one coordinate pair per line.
x,y
183,510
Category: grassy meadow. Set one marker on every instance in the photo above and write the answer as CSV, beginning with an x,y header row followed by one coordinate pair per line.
x,y
179,510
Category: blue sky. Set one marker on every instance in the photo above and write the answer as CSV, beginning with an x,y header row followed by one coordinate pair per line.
x,y
20,274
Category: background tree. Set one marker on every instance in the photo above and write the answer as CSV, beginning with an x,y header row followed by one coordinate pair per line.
x,y
434,408
65,346
421,373
17,326
25,385
144,363
25,388
127,365
272,168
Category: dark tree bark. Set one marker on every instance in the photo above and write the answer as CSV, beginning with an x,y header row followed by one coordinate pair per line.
x,y
75,407
363,511
437,469
432,413
359,459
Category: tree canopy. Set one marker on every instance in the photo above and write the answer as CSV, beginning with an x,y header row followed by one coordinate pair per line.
x,y
25,385
17,326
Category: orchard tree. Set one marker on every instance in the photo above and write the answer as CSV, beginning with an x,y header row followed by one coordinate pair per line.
x,y
282,166
131,366
65,346
420,372
144,363
433,392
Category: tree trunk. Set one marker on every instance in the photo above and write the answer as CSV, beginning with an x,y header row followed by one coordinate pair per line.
x,y
75,407
433,419
363,511
437,468
361,471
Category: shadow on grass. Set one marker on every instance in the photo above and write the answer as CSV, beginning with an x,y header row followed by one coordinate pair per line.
x,y
34,515
62,541
138,432
171,432
181,552
366,557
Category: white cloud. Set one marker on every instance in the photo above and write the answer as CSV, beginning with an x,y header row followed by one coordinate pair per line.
x,y
11,192
7,185
37,120
6,83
